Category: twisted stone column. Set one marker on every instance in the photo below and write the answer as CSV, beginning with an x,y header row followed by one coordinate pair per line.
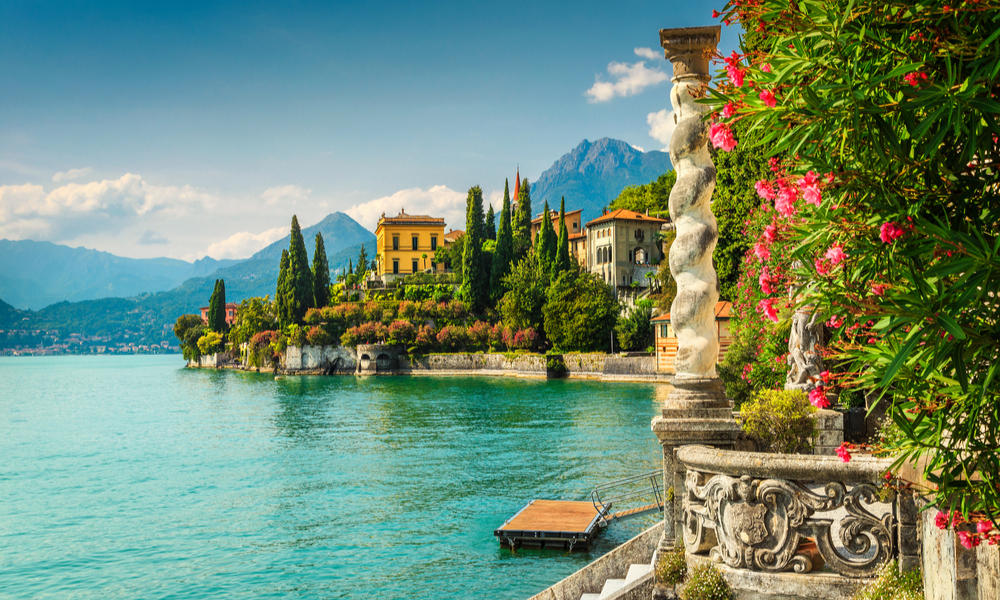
x,y
696,411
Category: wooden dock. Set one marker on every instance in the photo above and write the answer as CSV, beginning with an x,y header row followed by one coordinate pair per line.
x,y
551,524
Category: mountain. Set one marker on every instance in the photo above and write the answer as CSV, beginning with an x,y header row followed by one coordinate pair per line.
x,y
594,173
339,232
36,274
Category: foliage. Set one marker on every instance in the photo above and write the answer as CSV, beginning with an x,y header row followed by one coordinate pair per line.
x,y
668,287
451,255
896,102
361,270
217,308
401,332
426,339
452,337
546,241
317,336
438,278
561,261
366,333
210,343
890,585
475,276
262,350
522,222
521,306
188,330
634,331
780,421
504,254
580,312
755,361
672,567
479,334
705,582
653,196
285,316
490,230
300,293
254,315
320,273
437,291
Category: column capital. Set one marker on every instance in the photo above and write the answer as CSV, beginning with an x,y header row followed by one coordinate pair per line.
x,y
689,49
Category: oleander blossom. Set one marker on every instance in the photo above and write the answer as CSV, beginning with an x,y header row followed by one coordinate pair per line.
x,y
810,188
968,540
766,307
764,190
766,281
722,137
817,397
733,70
890,232
942,520
844,452
771,233
915,78
879,288
835,321
767,97
762,252
984,527
821,267
835,254
729,110
766,67
785,202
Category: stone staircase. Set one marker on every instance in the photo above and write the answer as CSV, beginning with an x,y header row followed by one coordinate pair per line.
x,y
612,587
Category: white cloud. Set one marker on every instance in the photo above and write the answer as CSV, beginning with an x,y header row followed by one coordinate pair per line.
x,y
150,238
661,126
495,199
631,78
285,194
438,201
71,174
639,148
648,53
244,243
27,211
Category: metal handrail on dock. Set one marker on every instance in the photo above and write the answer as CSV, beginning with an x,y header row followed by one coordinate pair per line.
x,y
623,494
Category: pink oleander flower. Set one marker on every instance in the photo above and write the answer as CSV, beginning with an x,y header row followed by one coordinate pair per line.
x,y
835,321
785,202
766,67
766,307
843,453
715,14
764,190
942,520
817,397
890,232
825,376
968,540
729,111
771,233
765,281
763,252
879,288
915,78
722,137
835,254
810,188
767,97
984,527
888,476
821,267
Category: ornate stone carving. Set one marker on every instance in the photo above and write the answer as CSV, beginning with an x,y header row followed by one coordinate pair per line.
x,y
805,363
758,524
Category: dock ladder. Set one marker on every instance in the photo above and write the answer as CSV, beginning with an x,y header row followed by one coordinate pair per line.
x,y
629,497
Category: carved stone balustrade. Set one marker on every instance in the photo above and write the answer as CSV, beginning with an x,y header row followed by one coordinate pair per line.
x,y
775,514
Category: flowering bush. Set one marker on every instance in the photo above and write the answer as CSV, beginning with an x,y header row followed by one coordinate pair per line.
x,y
366,333
401,332
884,184
262,349
479,334
452,337
525,339
705,582
426,339
497,335
409,310
373,311
317,336
890,585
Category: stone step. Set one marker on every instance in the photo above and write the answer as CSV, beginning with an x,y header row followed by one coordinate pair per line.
x,y
611,586
590,597
637,571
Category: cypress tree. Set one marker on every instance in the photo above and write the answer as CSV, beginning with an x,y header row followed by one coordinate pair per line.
x,y
321,274
281,294
475,279
300,297
213,309
505,249
491,226
362,267
546,241
220,315
522,222
562,260
350,266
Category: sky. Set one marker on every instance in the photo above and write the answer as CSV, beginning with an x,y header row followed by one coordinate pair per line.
x,y
187,129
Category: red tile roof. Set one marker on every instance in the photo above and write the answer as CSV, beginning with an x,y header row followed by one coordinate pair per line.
x,y
623,214
723,310
453,235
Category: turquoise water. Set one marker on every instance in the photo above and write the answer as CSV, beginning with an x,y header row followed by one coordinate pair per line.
x,y
129,477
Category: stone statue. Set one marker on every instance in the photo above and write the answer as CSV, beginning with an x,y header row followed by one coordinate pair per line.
x,y
804,360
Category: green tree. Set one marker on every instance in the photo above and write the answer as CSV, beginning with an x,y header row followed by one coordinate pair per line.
x,y
580,312
475,278
300,289
254,316
653,196
321,274
522,222
504,254
546,240
634,331
521,306
188,329
562,259
490,232
361,270
281,296
217,308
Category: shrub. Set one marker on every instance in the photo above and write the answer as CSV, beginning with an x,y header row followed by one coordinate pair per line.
x,y
373,311
428,309
409,310
261,351
525,339
210,343
508,336
402,332
296,335
672,567
479,334
366,333
705,582
426,339
780,421
452,337
634,330
314,316
316,336
890,585
496,335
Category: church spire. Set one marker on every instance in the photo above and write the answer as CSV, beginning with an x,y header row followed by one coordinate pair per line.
x,y
517,183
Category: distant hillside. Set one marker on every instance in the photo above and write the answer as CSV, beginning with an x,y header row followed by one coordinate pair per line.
x,y
36,274
594,173
9,315
339,232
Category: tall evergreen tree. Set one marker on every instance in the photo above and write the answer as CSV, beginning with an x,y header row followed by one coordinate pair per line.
x,y
300,276
362,267
522,221
475,278
490,232
504,254
321,274
546,240
562,260
350,267
281,295
213,310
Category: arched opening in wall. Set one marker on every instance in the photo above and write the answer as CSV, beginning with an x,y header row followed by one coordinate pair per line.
x,y
383,363
640,256
333,367
365,357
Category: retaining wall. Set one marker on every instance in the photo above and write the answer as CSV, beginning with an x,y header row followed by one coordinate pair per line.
x,y
319,360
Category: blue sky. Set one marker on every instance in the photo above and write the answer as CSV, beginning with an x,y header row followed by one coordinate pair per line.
x,y
185,128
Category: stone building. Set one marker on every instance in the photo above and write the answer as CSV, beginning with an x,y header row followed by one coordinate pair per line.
x,y
622,247
574,222
406,244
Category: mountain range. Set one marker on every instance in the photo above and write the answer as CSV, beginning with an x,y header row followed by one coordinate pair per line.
x,y
593,174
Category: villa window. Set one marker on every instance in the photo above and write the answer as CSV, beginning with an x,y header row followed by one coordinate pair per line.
x,y
415,244
416,266
434,242
395,242
395,265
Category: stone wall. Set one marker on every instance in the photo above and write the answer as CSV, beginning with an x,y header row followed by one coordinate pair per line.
x,y
632,367
521,365
319,360
586,366
952,572
830,426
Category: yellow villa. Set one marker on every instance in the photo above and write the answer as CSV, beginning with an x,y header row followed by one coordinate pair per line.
x,y
404,241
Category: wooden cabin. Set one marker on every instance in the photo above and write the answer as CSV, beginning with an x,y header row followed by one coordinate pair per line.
x,y
666,339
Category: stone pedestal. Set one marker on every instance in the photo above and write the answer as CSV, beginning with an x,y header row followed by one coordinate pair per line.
x,y
697,410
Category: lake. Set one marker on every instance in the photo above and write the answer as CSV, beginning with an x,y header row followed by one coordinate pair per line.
x,y
131,477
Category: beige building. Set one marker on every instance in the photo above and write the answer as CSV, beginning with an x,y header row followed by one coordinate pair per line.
x,y
622,247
